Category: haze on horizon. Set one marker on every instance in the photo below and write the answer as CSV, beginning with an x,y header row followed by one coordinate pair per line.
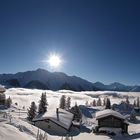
x,y
97,40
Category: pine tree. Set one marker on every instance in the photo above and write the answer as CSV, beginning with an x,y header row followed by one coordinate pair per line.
x,y
8,102
127,100
77,113
31,111
87,103
138,102
94,103
68,103
104,101
99,102
108,104
43,104
63,102
134,104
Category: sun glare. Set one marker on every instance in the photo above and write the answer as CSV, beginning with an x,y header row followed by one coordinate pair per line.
x,y
54,60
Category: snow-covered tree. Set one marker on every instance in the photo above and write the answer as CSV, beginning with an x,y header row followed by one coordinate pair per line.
x,y
99,102
68,103
8,102
77,113
86,103
94,103
134,104
104,101
63,102
138,102
108,104
127,100
43,104
31,111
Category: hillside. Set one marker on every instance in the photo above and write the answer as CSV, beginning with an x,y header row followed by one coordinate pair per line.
x,y
43,79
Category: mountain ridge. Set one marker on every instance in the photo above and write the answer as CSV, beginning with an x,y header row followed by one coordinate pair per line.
x,y
42,78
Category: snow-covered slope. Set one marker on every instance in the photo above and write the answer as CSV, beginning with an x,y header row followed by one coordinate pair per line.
x,y
20,129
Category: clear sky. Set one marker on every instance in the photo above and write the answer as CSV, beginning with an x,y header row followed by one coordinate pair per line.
x,y
98,40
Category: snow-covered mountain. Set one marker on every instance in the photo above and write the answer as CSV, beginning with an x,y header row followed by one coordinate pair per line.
x,y
43,79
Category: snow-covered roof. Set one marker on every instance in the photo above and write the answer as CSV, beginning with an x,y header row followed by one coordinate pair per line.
x,y
65,118
2,89
108,112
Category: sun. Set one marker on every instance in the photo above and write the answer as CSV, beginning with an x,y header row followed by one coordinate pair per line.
x,y
54,60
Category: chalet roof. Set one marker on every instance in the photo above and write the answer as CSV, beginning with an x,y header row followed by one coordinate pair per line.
x,y
108,112
65,118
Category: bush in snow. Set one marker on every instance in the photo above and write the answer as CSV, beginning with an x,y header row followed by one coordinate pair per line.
x,y
43,104
63,102
31,111
108,104
8,102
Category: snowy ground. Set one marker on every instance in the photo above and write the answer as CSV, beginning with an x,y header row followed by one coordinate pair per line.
x,y
20,129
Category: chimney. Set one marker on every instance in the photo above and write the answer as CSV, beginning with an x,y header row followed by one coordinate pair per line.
x,y
57,113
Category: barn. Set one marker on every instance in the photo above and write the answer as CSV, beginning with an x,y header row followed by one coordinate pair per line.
x,y
56,122
111,120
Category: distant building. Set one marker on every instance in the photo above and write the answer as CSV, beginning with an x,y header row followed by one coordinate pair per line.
x,y
59,121
109,120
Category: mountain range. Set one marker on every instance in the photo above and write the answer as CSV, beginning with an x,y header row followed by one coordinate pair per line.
x,y
43,79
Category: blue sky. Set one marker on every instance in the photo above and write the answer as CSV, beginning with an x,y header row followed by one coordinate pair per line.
x,y
98,40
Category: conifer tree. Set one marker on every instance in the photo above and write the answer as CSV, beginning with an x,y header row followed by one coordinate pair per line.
x,y
138,102
108,104
94,103
43,104
8,102
99,102
87,103
68,103
104,101
127,100
63,102
77,113
134,104
31,111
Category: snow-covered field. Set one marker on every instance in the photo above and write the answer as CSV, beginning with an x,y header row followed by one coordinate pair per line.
x,y
20,129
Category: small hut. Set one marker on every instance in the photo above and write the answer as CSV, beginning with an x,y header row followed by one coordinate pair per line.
x,y
109,120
